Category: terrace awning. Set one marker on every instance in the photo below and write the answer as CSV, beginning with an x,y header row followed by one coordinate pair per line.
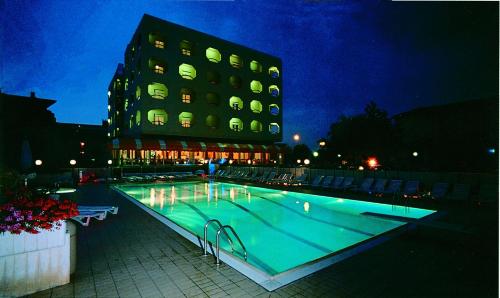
x,y
171,145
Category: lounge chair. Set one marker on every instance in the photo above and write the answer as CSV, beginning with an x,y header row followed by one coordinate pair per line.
x,y
263,177
327,181
439,190
317,180
107,209
460,192
269,178
379,186
394,187
337,183
84,217
365,186
347,183
301,180
411,188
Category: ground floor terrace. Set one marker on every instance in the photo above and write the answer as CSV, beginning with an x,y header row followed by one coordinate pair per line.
x,y
159,151
134,255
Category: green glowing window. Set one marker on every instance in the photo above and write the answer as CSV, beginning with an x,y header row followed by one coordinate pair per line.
x,y
235,124
157,40
187,71
236,103
110,120
125,105
126,84
235,81
212,98
138,118
213,77
212,121
186,47
131,122
158,90
186,119
256,86
274,128
157,117
274,109
213,55
235,61
255,126
186,95
274,72
137,93
256,106
157,66
109,108
274,90
118,84
255,66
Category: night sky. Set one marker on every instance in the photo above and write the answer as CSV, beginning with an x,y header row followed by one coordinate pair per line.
x,y
337,55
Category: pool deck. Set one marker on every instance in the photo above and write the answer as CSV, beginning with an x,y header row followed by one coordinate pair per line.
x,y
131,254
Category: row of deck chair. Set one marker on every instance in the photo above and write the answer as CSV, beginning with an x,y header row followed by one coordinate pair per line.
x,y
86,213
148,177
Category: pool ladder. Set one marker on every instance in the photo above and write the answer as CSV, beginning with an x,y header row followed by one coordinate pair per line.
x,y
222,229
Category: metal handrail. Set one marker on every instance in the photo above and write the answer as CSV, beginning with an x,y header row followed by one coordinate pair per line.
x,y
205,237
217,242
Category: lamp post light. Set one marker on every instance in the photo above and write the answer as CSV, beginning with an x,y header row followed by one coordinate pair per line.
x,y
315,154
296,137
307,162
299,161
415,154
38,162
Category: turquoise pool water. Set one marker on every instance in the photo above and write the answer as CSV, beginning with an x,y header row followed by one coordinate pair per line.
x,y
280,229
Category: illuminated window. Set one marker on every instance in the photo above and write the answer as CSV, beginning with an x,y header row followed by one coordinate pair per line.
x,y
109,108
157,66
274,72
236,124
274,128
274,109
126,84
138,118
255,126
186,47
256,86
212,121
158,90
255,66
157,117
137,93
187,95
235,81
212,98
125,105
131,122
186,119
187,71
235,61
256,106
274,91
213,55
236,103
213,77
156,40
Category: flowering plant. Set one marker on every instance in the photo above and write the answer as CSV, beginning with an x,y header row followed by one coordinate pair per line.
x,y
33,215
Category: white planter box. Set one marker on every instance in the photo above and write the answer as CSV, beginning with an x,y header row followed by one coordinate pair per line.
x,y
34,262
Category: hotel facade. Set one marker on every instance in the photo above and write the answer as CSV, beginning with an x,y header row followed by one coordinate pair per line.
x,y
185,96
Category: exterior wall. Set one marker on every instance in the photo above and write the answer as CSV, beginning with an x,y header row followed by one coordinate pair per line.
x,y
138,73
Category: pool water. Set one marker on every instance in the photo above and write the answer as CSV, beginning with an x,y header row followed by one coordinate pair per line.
x,y
280,229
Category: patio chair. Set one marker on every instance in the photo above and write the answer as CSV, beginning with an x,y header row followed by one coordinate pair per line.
x,y
107,209
251,177
337,183
411,188
460,192
439,190
365,186
301,180
393,188
84,217
347,183
269,178
327,181
379,186
317,180
262,177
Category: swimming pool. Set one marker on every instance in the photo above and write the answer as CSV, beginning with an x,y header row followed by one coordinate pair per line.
x,y
287,234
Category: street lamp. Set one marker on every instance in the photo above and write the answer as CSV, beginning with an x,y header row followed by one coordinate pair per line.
x,y
415,154
72,162
307,161
315,154
299,161
110,162
38,162
296,137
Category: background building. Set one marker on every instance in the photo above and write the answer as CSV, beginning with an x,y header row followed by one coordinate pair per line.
x,y
186,95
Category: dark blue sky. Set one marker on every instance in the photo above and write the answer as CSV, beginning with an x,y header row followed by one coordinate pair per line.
x,y
337,55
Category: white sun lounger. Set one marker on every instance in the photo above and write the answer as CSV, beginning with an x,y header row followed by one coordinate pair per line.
x,y
108,209
84,217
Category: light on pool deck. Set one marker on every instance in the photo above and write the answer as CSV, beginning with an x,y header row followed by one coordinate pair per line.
x,y
296,137
299,161
361,168
110,162
315,153
72,162
415,153
38,162
307,161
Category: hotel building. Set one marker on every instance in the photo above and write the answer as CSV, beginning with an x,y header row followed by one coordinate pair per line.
x,y
185,95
